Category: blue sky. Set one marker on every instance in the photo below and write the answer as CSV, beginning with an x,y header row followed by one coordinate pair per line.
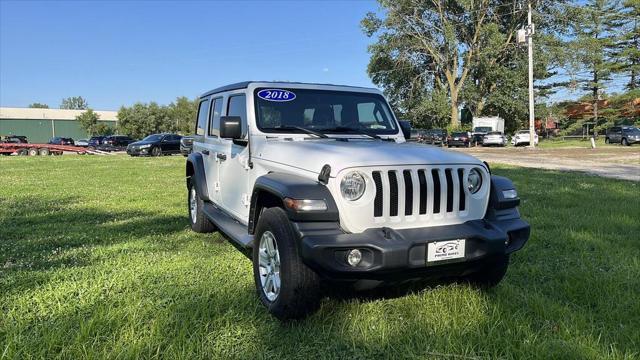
x,y
116,53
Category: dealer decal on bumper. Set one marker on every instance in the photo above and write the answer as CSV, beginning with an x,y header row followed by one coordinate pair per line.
x,y
445,250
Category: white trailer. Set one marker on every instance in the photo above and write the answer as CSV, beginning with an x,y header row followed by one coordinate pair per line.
x,y
485,124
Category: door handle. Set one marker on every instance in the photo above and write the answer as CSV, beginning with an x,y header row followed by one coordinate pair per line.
x,y
221,156
206,152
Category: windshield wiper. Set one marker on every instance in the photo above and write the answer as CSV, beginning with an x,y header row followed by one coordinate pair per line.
x,y
354,131
300,128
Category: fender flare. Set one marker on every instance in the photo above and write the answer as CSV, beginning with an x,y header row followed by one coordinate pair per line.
x,y
195,173
275,187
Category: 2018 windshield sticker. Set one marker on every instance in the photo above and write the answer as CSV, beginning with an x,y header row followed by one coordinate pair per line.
x,y
276,95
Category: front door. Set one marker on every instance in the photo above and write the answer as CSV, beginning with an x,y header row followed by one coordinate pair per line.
x,y
233,160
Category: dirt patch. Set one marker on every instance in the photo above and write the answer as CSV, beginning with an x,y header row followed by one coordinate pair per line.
x,y
619,163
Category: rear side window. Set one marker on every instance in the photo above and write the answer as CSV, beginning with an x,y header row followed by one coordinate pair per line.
x,y
202,117
214,117
238,107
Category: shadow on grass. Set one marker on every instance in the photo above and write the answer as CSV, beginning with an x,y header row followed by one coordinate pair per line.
x,y
35,232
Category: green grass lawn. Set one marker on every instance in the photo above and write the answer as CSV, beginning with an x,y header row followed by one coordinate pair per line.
x,y
97,260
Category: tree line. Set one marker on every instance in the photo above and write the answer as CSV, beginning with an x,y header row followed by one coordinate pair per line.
x,y
434,58
136,121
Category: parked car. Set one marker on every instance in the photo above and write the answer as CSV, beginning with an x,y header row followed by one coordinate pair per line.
x,y
314,197
459,139
61,141
156,145
522,138
115,143
96,141
82,143
624,135
186,145
494,138
14,139
436,137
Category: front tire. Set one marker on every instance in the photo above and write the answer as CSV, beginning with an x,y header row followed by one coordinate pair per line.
x,y
285,285
198,220
490,274
625,142
156,151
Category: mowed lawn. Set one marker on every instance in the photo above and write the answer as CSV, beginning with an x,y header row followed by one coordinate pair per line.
x,y
97,261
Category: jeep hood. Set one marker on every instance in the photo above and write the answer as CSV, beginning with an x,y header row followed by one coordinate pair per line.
x,y
312,155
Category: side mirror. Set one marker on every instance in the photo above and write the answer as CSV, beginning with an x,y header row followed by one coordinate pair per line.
x,y
405,126
230,127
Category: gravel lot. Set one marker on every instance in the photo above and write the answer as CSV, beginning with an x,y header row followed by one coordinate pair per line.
x,y
613,162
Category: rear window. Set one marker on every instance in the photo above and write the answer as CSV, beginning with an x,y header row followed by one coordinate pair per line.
x,y
459,134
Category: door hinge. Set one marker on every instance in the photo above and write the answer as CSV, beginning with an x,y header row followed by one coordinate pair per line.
x,y
246,200
216,186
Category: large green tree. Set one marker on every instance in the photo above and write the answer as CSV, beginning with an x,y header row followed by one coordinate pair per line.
x,y
627,54
183,112
433,56
596,25
141,120
89,121
74,103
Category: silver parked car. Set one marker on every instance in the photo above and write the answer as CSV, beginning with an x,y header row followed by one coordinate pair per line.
x,y
494,138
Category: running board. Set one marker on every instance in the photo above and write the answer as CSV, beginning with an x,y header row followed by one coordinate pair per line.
x,y
235,231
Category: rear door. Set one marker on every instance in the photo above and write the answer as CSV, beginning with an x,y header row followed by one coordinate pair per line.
x,y
210,148
233,162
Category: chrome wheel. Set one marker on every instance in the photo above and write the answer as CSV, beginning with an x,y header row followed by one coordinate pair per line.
x,y
193,204
269,265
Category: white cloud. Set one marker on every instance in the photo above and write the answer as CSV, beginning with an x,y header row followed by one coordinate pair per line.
x,y
325,70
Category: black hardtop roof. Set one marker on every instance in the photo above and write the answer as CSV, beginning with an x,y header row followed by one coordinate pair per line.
x,y
245,84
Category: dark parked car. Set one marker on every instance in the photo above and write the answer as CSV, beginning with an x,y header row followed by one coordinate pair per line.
x,y
436,137
96,141
186,145
115,143
459,139
14,139
61,141
156,145
624,135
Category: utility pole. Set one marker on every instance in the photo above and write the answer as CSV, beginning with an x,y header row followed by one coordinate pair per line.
x,y
532,125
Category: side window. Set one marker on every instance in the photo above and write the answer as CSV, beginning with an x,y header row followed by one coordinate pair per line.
x,y
238,107
201,124
214,117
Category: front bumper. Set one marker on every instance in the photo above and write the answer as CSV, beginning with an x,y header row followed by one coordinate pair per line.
x,y
402,254
138,151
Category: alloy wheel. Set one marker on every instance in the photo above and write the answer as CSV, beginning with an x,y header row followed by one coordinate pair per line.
x,y
269,266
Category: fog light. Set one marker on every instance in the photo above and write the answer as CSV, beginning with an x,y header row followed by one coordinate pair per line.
x,y
510,194
354,257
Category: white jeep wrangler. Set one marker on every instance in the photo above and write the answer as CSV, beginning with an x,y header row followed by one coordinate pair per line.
x,y
316,184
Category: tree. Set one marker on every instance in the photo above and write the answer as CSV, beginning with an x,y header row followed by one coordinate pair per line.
x,y
74,103
183,112
627,54
89,121
595,26
462,49
38,106
141,120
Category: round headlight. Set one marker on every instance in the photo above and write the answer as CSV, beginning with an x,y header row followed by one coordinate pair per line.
x,y
352,186
474,181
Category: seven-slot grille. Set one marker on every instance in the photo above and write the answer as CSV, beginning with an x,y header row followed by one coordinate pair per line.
x,y
420,192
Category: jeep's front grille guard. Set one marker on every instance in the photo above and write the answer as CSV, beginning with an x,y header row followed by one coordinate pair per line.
x,y
427,191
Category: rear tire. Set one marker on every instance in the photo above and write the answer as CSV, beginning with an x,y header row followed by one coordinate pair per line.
x,y
198,220
32,152
490,274
43,151
298,290
606,140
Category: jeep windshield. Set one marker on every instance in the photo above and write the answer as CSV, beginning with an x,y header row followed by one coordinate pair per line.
x,y
323,111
